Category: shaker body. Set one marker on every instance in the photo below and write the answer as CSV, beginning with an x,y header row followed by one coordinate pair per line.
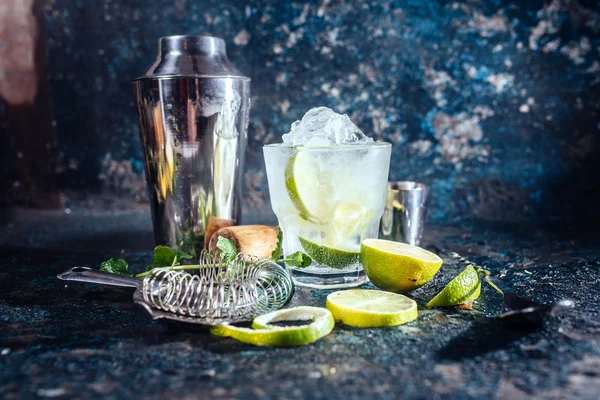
x,y
194,133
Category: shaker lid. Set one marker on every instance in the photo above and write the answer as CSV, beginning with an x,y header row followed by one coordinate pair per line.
x,y
192,56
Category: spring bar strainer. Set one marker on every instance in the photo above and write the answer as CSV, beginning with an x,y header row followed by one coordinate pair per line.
x,y
217,293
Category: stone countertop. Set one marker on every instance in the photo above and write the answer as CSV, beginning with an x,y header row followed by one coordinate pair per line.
x,y
76,340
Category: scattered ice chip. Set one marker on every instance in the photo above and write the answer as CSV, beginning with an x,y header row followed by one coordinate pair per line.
x,y
321,126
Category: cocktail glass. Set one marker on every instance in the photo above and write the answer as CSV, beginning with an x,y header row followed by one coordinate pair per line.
x,y
327,200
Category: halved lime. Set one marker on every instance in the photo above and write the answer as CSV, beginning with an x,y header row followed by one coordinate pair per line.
x,y
309,185
347,220
319,323
329,256
464,288
371,308
397,267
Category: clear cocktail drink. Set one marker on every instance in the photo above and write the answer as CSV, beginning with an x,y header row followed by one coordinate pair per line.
x,y
327,199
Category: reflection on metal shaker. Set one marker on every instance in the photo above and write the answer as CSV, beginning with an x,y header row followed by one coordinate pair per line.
x,y
193,107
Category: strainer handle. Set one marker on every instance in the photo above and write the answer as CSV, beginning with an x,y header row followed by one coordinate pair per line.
x,y
85,274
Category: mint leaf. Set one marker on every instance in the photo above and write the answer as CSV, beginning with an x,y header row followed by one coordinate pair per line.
x,y
181,255
115,266
298,260
228,249
163,257
279,248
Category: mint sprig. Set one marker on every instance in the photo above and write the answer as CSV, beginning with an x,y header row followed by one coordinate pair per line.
x,y
115,266
166,257
297,260
228,249
279,248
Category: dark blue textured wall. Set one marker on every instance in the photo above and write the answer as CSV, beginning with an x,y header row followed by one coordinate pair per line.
x,y
494,103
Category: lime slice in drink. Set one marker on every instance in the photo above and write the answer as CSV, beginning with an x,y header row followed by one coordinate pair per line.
x,y
371,308
319,323
329,256
309,185
397,267
464,288
347,220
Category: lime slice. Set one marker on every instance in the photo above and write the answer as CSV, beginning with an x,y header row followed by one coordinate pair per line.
x,y
309,185
371,308
329,256
397,267
348,220
265,334
464,288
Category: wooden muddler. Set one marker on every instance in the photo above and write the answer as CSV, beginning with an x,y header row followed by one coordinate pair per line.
x,y
214,224
255,240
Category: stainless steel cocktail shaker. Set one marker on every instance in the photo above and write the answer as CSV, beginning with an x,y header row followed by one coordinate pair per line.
x,y
193,107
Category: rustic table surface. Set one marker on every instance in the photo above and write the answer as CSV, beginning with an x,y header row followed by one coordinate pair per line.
x,y
78,340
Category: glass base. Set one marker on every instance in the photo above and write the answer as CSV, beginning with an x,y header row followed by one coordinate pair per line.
x,y
329,280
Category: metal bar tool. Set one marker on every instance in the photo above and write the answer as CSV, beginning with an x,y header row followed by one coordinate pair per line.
x,y
219,292
405,210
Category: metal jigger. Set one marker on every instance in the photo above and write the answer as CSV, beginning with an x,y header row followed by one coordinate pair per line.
x,y
193,107
405,209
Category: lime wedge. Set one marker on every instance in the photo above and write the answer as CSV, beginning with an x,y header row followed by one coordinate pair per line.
x,y
397,267
347,220
309,185
329,256
464,288
320,323
371,308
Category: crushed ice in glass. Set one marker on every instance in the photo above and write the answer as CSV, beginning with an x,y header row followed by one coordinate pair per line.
x,y
321,126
